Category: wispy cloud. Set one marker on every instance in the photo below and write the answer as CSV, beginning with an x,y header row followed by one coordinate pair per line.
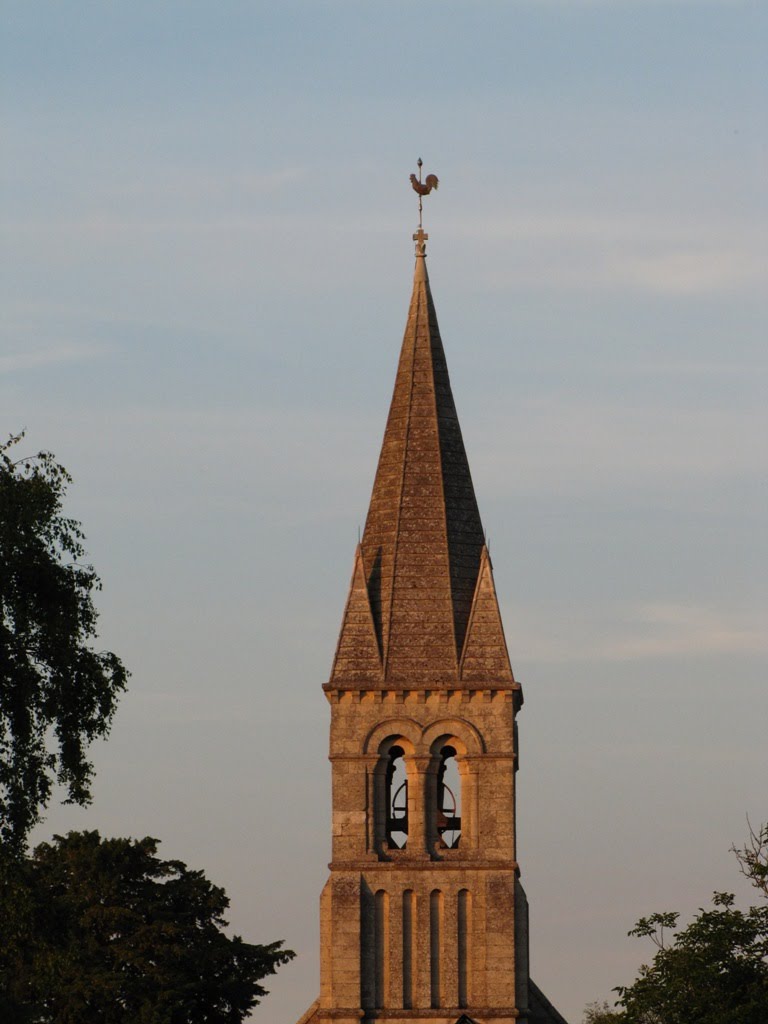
x,y
180,706
176,185
20,361
609,252
686,271
634,632
563,444
664,629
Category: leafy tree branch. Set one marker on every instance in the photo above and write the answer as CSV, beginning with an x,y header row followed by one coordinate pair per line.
x,y
753,857
57,694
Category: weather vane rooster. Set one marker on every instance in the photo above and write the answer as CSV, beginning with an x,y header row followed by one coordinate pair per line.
x,y
426,186
423,188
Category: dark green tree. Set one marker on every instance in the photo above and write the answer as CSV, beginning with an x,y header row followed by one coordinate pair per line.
x,y
57,693
102,931
714,970
600,1013
92,931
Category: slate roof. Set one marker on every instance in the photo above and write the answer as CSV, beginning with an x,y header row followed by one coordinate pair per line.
x,y
422,607
542,1011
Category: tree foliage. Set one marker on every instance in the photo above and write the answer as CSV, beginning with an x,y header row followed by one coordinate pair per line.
x,y
753,857
57,694
92,931
102,931
600,1013
714,970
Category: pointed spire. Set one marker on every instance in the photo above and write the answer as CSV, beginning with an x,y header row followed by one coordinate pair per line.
x,y
357,653
422,608
485,657
423,536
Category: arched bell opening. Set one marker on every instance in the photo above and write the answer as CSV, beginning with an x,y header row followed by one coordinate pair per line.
x,y
449,796
448,816
396,790
390,781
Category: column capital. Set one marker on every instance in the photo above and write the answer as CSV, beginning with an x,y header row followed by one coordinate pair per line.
x,y
421,762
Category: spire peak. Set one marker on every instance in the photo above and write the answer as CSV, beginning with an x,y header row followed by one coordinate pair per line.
x,y
420,238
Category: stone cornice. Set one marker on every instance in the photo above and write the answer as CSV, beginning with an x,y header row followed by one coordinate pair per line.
x,y
424,863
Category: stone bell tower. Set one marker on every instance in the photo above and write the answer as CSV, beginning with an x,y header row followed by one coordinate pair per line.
x,y
423,917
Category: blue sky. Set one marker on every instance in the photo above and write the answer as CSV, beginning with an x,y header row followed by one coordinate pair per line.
x,y
207,259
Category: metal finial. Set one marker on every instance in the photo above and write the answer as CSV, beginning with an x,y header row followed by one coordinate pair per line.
x,y
422,189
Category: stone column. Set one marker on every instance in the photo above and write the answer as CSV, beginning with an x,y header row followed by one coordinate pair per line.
x,y
395,994
417,768
422,990
450,966
469,771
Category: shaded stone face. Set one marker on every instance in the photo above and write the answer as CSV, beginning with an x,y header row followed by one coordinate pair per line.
x,y
423,916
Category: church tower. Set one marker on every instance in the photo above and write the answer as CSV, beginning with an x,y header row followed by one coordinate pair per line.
x,y
423,917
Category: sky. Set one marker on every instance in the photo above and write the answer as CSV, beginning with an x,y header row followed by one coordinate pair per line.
x,y
207,263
